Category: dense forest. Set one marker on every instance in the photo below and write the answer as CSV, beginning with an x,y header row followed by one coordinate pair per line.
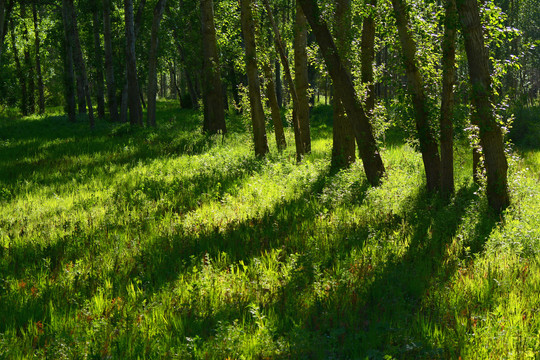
x,y
269,179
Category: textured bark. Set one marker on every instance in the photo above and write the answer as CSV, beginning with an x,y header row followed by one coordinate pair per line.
x,y
69,76
134,101
78,60
152,62
491,137
298,140
37,44
20,73
98,63
343,146
213,101
369,153
109,63
428,143
447,101
301,76
274,108
257,114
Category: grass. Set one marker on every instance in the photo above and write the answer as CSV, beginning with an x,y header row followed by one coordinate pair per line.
x,y
164,243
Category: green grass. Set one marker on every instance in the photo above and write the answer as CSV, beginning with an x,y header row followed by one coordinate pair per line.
x,y
164,243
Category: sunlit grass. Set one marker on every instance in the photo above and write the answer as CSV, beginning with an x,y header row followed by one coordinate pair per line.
x,y
165,243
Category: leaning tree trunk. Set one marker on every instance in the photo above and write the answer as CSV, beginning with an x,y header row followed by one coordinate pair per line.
x,y
447,101
152,63
79,62
344,87
257,114
343,145
134,101
298,139
213,101
109,63
41,89
301,76
428,143
491,137
98,63
69,75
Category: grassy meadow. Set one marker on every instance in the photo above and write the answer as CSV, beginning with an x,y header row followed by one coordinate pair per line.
x,y
124,243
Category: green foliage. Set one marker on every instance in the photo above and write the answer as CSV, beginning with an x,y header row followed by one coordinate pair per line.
x,y
166,243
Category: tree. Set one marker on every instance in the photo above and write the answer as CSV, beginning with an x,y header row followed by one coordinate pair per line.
x,y
98,60
491,138
213,101
20,72
134,102
257,114
301,76
428,143
152,62
69,75
37,44
344,87
109,62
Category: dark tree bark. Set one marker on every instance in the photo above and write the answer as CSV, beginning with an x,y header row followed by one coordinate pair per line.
x,y
298,139
109,63
343,146
20,72
257,114
152,63
28,67
69,75
301,76
428,143
78,59
274,108
369,153
213,102
5,13
41,89
98,62
134,101
491,137
279,85
447,101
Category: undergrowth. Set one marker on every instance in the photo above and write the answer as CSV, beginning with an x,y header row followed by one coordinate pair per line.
x,y
165,243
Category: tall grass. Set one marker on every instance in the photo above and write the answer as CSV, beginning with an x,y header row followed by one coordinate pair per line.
x,y
165,243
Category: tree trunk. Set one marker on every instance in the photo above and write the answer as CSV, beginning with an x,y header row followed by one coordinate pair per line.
x,y
298,139
257,114
447,101
98,63
109,62
20,72
28,70
5,13
213,102
491,137
69,75
343,146
41,89
274,108
369,153
301,76
79,62
134,101
152,63
428,144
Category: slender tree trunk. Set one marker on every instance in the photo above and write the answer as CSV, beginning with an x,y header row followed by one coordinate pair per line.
x,y
174,87
5,13
69,75
28,70
98,63
20,72
109,62
213,102
369,153
428,143
298,139
134,101
274,108
447,101
279,85
152,63
343,146
257,114
301,76
491,137
41,89
79,62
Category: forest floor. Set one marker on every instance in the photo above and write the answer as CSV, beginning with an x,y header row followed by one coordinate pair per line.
x,y
164,243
